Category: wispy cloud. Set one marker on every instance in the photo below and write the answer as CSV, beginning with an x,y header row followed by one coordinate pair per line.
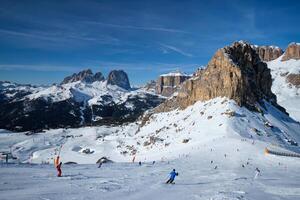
x,y
59,37
175,49
103,65
144,28
41,68
247,26
157,67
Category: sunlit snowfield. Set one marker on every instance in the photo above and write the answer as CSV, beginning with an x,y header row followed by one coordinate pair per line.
x,y
197,180
217,162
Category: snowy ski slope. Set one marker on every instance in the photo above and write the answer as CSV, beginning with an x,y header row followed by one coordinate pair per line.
x,y
214,145
288,95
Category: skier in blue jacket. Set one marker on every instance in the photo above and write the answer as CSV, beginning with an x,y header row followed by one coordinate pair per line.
x,y
173,174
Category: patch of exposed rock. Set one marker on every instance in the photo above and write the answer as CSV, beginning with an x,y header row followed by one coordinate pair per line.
x,y
150,86
268,53
292,52
199,71
235,72
167,84
85,75
119,78
294,79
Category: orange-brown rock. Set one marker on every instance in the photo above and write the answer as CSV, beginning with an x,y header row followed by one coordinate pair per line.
x,y
235,72
268,53
294,79
292,52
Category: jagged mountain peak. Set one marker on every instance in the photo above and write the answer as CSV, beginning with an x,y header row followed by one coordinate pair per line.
x,y
236,72
268,53
292,52
85,76
119,78
82,99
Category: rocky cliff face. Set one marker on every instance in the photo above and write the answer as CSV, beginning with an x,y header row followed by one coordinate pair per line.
x,y
292,52
235,72
268,53
167,84
119,78
85,76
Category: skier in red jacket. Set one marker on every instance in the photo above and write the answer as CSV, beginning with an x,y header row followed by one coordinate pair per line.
x,y
58,167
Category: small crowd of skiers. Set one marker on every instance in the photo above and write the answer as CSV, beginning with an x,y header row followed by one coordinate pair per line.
x,y
172,174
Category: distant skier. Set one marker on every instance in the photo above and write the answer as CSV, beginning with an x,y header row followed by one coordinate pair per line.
x,y
257,173
173,174
58,167
100,164
140,163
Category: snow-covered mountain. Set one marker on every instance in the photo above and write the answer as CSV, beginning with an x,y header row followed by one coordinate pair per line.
x,y
285,72
197,116
165,136
216,158
82,99
223,124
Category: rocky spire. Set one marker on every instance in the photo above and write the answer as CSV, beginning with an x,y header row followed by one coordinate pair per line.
x,y
119,78
235,72
292,52
268,53
85,76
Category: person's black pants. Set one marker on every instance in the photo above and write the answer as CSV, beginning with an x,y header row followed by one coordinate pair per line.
x,y
170,181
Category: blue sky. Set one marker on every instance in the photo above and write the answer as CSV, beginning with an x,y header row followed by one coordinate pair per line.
x,y
41,42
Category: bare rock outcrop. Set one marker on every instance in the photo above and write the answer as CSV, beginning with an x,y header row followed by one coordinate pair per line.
x,y
85,75
235,72
167,84
150,86
294,79
119,78
292,52
268,53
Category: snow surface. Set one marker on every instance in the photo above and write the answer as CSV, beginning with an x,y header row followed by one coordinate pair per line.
x,y
214,145
197,180
266,46
11,89
288,95
204,123
176,73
